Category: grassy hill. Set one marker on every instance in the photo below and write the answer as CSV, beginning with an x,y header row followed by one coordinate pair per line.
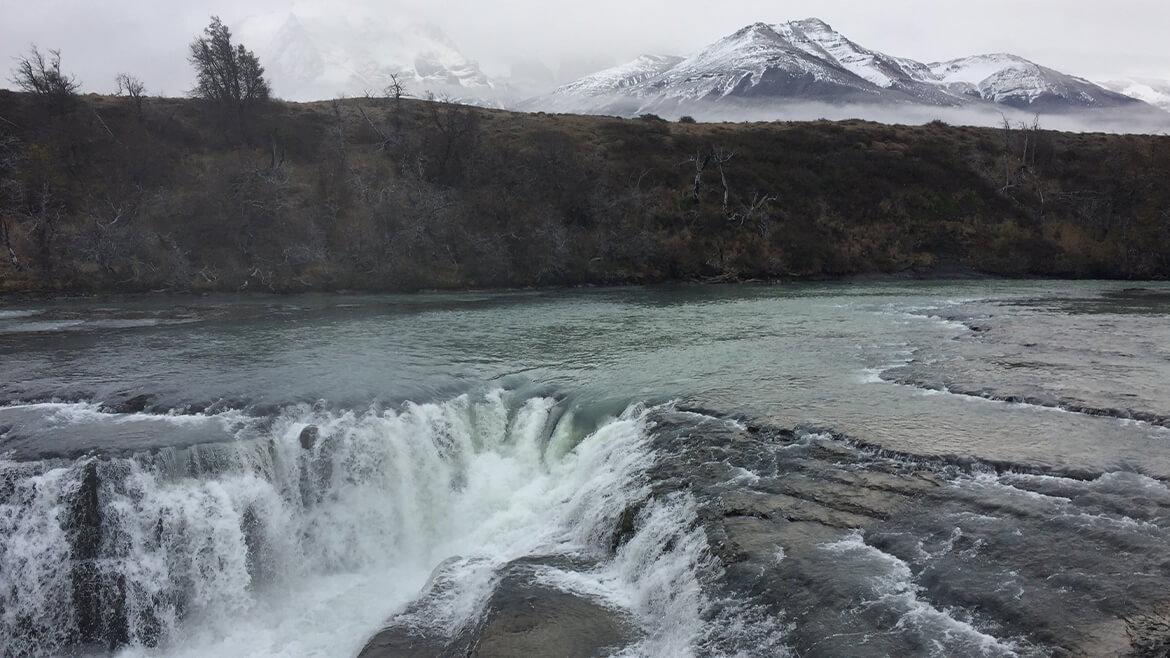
x,y
100,194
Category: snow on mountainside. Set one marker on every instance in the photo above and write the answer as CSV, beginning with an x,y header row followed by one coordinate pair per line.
x,y
317,55
602,92
808,61
755,61
1153,91
624,75
818,39
1011,80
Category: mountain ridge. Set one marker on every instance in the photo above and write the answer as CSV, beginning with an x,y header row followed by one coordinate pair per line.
x,y
807,60
802,69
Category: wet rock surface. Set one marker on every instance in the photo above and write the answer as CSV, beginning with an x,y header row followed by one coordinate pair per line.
x,y
864,550
1015,357
769,498
855,550
522,617
1149,632
130,405
308,437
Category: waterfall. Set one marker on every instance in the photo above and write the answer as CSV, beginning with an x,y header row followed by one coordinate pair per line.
x,y
305,533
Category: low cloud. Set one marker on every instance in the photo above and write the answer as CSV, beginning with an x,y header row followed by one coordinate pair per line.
x,y
1086,38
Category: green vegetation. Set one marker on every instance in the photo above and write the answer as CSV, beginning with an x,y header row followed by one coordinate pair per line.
x,y
228,74
137,193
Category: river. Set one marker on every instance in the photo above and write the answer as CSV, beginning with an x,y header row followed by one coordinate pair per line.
x,y
836,469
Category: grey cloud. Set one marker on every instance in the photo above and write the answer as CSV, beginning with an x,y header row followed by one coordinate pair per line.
x,y
1091,39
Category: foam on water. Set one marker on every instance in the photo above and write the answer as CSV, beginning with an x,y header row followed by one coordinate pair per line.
x,y
12,315
83,414
38,327
892,589
302,540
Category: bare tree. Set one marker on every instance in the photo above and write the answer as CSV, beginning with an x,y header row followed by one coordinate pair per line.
x,y
395,91
755,211
132,88
722,157
719,156
1021,168
42,76
227,74
384,143
700,161
46,214
10,192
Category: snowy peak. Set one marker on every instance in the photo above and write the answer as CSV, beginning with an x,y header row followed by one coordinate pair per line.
x,y
756,61
816,38
812,24
321,54
977,68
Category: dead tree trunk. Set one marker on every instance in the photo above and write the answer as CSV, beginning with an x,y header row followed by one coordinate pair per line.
x,y
700,164
721,158
5,233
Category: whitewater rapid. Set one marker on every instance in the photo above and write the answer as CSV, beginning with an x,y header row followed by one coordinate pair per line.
x,y
311,529
970,468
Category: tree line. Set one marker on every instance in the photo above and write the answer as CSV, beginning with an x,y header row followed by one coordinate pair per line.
x,y
227,74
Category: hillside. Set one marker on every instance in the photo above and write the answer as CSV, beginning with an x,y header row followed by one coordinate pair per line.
x,y
99,194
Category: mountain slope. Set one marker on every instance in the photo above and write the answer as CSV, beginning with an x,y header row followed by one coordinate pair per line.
x,y
625,75
602,91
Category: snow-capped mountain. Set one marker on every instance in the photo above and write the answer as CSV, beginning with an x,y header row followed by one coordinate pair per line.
x,y
758,61
318,55
1014,81
1151,90
807,61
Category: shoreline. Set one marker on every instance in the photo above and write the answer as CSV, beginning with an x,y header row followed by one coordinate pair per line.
x,y
860,278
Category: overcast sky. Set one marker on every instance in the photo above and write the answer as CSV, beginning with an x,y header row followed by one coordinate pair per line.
x,y
1090,38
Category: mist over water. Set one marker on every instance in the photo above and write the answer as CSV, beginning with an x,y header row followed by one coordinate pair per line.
x,y
959,468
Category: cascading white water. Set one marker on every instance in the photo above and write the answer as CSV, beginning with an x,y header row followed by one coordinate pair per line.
x,y
302,538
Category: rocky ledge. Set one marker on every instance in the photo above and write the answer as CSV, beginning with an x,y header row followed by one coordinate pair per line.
x,y
838,547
